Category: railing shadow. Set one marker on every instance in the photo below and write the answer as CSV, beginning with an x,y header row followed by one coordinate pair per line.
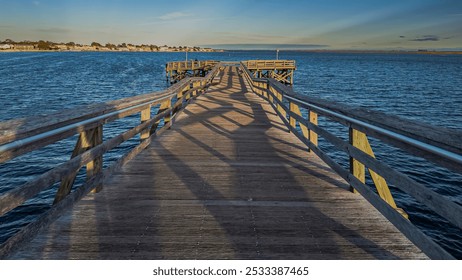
x,y
205,190
252,208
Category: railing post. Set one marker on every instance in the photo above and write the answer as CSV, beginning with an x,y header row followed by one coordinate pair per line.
x,y
145,116
293,108
96,166
280,108
261,85
313,118
359,140
265,92
270,96
203,85
167,104
357,169
87,140
296,110
196,84
67,182
194,92
183,92
306,132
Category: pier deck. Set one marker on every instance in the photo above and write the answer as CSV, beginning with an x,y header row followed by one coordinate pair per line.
x,y
227,181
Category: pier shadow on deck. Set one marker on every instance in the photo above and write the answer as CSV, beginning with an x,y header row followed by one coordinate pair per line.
x,y
226,182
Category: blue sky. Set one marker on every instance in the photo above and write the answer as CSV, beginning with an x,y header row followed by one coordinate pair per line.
x,y
335,24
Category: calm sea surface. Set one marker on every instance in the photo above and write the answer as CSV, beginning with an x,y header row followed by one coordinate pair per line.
x,y
420,87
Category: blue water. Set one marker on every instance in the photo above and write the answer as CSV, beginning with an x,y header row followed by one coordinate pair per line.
x,y
420,87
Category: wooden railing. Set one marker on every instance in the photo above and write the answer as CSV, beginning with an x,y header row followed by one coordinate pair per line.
x,y
189,65
440,145
25,135
269,64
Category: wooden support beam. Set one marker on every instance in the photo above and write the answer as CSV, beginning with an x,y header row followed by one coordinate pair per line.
x,y
295,109
179,96
163,106
87,140
359,140
67,182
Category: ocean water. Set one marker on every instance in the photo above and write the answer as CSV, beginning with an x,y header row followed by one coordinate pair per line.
x,y
420,87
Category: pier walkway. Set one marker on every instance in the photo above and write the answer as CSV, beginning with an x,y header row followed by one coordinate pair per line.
x,y
227,181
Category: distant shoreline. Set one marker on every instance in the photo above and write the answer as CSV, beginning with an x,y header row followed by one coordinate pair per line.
x,y
47,46
213,51
102,51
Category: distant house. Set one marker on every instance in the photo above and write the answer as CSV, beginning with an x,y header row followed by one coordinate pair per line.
x,y
164,49
146,48
6,47
62,47
22,47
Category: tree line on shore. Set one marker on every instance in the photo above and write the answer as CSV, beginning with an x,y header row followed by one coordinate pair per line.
x,y
48,45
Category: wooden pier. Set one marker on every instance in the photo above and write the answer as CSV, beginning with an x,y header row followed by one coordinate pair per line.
x,y
178,70
280,70
234,173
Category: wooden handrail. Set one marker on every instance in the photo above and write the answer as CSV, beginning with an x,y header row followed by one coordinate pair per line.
x,y
269,64
33,133
440,145
191,64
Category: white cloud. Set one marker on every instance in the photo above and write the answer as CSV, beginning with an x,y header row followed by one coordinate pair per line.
x,y
174,15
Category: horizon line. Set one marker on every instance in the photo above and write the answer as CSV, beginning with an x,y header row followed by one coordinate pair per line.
x,y
313,47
